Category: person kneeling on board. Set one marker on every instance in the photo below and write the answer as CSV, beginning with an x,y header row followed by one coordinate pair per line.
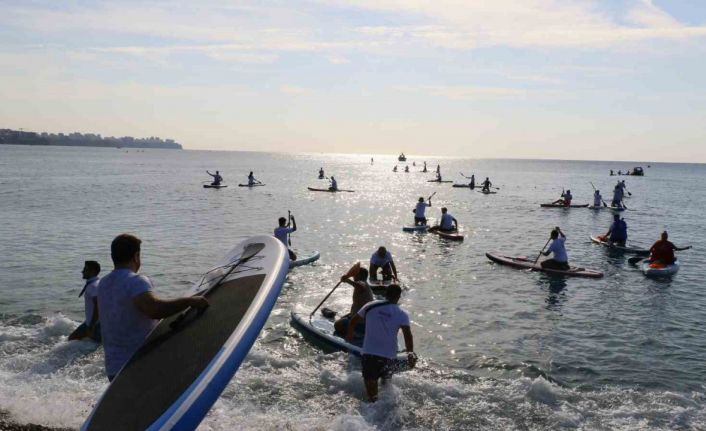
x,y
663,250
382,259
251,179
383,320
560,260
486,185
419,212
618,195
597,198
217,178
566,198
617,233
334,184
129,310
361,296
91,326
282,233
448,222
321,174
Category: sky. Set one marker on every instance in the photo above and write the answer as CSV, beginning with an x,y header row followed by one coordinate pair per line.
x,y
592,80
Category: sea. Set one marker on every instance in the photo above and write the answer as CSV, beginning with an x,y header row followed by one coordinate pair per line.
x,y
499,348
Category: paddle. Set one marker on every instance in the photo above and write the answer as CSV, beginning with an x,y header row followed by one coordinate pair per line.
x,y
432,195
289,222
351,273
594,189
540,251
248,253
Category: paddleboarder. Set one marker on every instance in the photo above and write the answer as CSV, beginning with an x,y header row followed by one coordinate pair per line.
x,y
617,196
597,198
334,185
217,178
486,185
321,174
663,250
91,326
282,233
394,169
438,176
425,167
382,259
472,184
129,309
362,294
251,179
448,223
419,212
383,320
617,233
560,260
406,168
566,198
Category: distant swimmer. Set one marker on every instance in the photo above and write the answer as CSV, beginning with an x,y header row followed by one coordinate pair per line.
x,y
448,223
560,260
282,233
382,259
617,233
90,327
394,169
334,185
321,174
128,307
597,198
419,212
617,197
486,185
566,198
406,168
217,178
663,250
425,167
383,321
362,294
251,179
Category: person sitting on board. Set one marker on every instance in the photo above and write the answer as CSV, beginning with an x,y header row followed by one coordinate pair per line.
x,y
419,212
617,233
472,184
425,167
611,173
394,169
217,178
282,233
565,200
383,320
406,168
251,179
90,327
362,294
597,198
321,173
382,259
334,185
619,173
617,197
438,176
129,310
448,223
486,185
662,252
560,260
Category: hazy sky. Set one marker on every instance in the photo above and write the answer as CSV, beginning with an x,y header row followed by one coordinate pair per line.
x,y
615,79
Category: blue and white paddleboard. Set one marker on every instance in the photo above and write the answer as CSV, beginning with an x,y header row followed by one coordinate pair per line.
x,y
305,260
184,364
419,228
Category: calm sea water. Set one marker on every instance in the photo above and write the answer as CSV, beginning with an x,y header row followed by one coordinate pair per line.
x,y
500,348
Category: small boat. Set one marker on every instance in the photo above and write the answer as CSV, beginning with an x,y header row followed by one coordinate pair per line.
x,y
305,260
625,249
563,206
657,269
402,158
524,263
329,190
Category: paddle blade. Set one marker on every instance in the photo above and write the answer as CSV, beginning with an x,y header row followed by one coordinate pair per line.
x,y
355,269
635,260
251,250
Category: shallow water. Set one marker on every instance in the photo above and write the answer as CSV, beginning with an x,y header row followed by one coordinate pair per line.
x,y
500,348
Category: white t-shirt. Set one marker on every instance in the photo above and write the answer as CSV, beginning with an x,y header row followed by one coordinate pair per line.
x,y
381,326
88,295
557,247
281,234
375,259
447,222
123,327
420,209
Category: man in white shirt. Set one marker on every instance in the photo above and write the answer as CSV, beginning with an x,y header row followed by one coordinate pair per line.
x,y
419,212
382,259
383,320
282,233
560,260
90,326
129,309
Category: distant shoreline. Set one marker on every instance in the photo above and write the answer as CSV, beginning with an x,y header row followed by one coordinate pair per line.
x,y
15,137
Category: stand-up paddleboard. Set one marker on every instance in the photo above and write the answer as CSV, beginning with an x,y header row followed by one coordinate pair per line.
x,y
487,192
624,249
379,287
305,260
319,330
606,208
214,186
463,186
452,236
524,263
328,190
563,206
253,185
420,228
186,362
437,181
656,269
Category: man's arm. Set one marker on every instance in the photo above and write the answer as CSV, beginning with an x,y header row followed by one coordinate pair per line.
x,y
394,268
409,346
455,222
156,308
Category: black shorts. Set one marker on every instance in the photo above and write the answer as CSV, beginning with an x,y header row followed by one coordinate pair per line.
x,y
376,367
420,220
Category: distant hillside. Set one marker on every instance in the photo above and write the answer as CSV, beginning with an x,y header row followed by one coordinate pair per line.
x,y
14,137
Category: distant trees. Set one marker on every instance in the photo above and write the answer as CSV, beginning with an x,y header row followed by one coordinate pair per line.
x,y
15,137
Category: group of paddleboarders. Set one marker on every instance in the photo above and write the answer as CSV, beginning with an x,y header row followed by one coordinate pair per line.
x,y
217,179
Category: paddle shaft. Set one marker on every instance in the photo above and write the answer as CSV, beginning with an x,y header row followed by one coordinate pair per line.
x,y
594,189
289,222
324,300
540,251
